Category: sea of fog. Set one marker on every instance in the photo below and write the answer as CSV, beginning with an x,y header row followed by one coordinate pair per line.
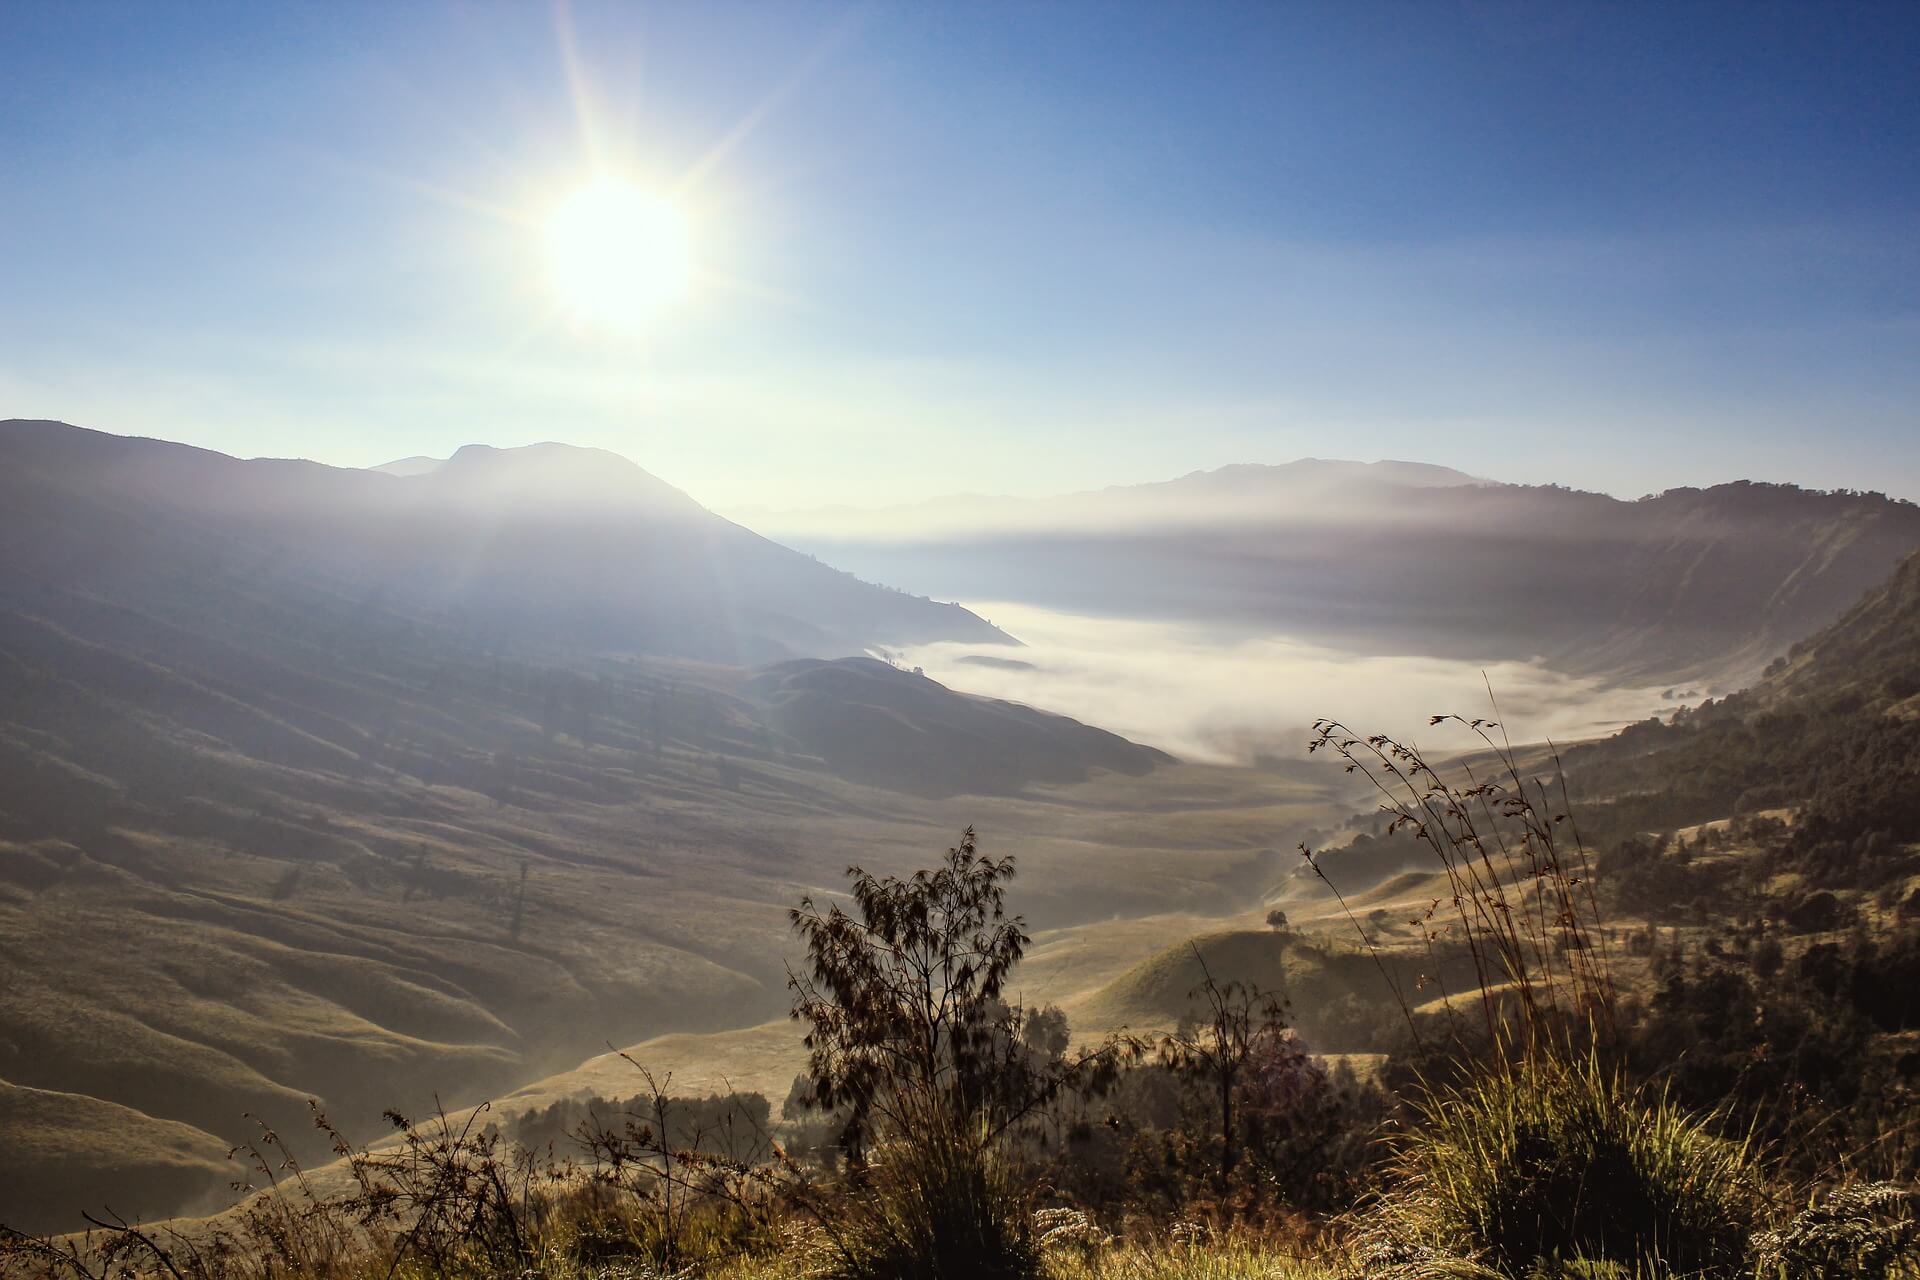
x,y
1206,697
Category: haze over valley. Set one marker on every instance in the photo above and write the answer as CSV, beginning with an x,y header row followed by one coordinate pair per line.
x,y
1389,558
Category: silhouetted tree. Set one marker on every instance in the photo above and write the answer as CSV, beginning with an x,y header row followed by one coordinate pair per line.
x,y
1239,1026
903,1004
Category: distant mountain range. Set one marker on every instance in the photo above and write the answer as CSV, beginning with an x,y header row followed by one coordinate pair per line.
x,y
1246,493
547,547
1688,585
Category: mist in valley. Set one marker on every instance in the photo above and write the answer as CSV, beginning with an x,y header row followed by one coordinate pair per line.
x,y
1238,699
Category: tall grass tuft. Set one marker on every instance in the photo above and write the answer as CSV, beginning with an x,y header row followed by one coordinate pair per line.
x,y
1555,1157
938,1203
1541,1158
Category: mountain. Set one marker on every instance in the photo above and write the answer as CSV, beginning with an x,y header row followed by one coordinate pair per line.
x,y
548,547
329,784
1689,585
1240,493
1832,732
418,465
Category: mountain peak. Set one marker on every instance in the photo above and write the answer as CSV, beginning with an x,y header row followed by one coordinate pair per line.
x,y
548,472
1388,471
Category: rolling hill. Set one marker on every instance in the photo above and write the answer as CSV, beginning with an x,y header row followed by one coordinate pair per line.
x,y
876,722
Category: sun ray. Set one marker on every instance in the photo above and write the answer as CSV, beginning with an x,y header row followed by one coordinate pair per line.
x,y
449,196
744,127
578,85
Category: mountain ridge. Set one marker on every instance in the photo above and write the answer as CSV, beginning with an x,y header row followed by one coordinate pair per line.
x,y
1231,476
1691,584
544,544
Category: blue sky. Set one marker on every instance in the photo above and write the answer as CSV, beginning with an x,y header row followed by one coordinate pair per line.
x,y
984,247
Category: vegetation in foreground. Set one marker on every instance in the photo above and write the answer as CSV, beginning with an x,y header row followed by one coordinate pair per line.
x,y
1525,1128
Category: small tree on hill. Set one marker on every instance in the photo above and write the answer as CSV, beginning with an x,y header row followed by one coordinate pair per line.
x,y
1239,1028
909,1038
903,1003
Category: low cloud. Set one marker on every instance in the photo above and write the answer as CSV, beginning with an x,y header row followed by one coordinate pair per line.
x,y
1205,697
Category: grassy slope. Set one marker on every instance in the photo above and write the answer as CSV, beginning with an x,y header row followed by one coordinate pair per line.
x,y
290,885
81,1150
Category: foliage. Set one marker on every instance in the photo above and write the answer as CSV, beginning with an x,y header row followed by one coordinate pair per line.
x,y
736,1125
1237,1051
908,1033
1789,1051
1860,1232
903,1003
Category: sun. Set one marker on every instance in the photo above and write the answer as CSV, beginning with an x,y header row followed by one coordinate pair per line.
x,y
617,254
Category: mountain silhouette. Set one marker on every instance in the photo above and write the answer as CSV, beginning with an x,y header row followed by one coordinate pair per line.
x,y
547,547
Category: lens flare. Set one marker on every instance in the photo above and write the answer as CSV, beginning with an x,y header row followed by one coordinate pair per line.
x,y
617,254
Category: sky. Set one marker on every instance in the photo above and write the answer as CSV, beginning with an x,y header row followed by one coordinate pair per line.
x,y
988,248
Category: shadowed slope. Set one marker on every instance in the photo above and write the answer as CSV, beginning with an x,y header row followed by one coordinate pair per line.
x,y
878,723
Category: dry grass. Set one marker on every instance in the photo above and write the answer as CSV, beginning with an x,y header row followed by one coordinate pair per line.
x,y
269,943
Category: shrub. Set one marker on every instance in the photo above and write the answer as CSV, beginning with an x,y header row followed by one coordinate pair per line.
x,y
1554,1158
940,1205
1862,1232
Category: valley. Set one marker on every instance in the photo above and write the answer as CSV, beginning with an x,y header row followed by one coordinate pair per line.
x,y
281,824
1700,586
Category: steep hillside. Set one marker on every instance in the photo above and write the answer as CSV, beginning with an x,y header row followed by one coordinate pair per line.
x,y
549,547
1872,654
1697,585
1830,736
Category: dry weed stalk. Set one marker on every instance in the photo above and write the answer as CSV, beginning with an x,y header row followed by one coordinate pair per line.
x,y
1521,893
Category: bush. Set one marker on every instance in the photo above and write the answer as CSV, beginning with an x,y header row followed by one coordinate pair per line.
x,y
940,1205
1554,1159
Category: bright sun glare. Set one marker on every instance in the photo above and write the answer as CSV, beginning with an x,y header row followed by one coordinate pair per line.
x,y
617,253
